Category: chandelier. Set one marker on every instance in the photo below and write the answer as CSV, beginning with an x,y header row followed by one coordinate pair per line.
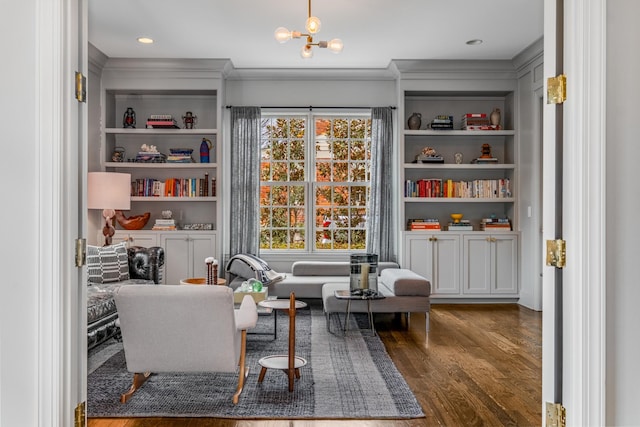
x,y
312,26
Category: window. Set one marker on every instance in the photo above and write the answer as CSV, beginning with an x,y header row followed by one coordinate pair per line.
x,y
314,182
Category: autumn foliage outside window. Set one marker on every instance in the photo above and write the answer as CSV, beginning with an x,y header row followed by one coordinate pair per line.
x,y
314,182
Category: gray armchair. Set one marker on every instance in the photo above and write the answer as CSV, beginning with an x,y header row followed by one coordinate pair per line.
x,y
153,321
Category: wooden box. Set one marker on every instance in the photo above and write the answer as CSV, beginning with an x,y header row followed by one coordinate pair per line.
x,y
238,296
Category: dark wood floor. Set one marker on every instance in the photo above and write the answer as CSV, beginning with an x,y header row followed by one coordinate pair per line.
x,y
480,365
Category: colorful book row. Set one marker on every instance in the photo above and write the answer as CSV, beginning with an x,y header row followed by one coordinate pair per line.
x,y
478,188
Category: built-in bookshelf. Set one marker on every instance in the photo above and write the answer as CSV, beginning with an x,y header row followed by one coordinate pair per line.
x,y
186,187
458,172
462,181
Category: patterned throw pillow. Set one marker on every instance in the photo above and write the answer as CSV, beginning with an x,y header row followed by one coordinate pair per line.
x,y
107,264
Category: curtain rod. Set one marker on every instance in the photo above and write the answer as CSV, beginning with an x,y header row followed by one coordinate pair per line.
x,y
311,107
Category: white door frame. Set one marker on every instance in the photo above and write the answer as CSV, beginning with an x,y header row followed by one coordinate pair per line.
x,y
61,154
60,385
583,334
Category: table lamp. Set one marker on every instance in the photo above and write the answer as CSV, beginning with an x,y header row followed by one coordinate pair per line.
x,y
109,191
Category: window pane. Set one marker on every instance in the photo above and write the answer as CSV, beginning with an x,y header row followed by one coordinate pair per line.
x,y
339,162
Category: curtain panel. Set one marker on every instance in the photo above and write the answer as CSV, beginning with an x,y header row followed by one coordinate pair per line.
x,y
245,182
380,224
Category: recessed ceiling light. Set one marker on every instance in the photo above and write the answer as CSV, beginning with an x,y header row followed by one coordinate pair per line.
x,y
145,40
474,42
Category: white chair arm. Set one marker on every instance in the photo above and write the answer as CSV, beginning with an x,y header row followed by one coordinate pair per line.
x,y
247,314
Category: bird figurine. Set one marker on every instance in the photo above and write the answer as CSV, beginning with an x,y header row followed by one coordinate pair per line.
x,y
134,222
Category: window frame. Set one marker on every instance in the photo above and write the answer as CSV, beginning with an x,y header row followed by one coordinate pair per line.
x,y
310,184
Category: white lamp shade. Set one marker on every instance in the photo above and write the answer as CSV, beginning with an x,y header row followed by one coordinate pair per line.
x,y
109,190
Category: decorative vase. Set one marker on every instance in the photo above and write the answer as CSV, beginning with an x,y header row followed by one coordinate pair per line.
x,y
415,121
495,117
205,146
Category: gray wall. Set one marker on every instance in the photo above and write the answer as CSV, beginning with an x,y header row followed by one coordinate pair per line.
x,y
19,314
529,124
623,204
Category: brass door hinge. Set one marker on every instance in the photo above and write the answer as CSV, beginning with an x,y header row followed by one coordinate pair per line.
x,y
556,253
556,415
557,89
81,87
80,419
81,252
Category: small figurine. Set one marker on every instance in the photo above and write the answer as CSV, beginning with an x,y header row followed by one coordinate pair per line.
x,y
458,158
486,151
129,118
189,120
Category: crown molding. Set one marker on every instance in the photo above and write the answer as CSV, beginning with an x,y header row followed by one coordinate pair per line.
x,y
315,74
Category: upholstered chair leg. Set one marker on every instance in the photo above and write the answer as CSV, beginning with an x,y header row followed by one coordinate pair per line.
x,y
138,380
244,370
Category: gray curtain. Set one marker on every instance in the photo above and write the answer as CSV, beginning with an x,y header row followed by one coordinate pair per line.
x,y
380,224
245,181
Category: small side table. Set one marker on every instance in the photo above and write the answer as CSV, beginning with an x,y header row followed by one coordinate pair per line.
x,y
347,295
200,281
290,364
279,305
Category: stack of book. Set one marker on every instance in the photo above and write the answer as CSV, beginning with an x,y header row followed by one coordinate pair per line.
x,y
442,122
475,121
491,224
463,225
150,157
484,160
423,224
180,155
162,121
164,224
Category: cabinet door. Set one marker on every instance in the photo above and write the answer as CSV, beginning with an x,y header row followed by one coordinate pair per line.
x,y
437,258
506,264
446,264
477,264
202,247
177,264
136,238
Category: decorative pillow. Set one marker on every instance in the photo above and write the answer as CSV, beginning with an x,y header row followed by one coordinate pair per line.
x,y
107,264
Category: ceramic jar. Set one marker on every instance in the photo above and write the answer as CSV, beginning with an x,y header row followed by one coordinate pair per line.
x,y
495,117
415,121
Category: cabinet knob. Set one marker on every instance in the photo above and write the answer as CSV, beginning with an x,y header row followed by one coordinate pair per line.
x,y
488,239
433,239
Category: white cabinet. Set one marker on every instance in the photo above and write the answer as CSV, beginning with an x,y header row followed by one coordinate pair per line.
x,y
490,264
145,239
185,254
435,256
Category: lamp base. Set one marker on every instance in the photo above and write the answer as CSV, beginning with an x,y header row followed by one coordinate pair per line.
x,y
108,230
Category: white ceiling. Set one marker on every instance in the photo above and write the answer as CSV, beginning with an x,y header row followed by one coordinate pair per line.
x,y
373,31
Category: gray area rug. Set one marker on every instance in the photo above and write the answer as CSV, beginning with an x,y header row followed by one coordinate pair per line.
x,y
346,377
